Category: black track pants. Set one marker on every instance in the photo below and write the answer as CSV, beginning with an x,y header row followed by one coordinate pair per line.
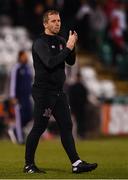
x,y
45,105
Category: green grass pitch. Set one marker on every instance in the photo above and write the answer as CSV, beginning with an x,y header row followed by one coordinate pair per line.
x,y
111,154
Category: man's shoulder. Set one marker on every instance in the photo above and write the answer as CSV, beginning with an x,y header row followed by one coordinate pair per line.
x,y
38,41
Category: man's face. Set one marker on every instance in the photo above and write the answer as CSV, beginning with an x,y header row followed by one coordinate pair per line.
x,y
52,26
24,58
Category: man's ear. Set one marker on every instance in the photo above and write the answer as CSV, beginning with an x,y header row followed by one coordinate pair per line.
x,y
45,25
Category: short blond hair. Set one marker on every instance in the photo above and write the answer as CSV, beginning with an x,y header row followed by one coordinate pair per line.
x,y
47,13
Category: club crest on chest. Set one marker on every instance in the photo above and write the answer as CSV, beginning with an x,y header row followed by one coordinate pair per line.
x,y
47,112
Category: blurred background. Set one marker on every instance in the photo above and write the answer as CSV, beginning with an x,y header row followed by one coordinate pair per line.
x,y
97,85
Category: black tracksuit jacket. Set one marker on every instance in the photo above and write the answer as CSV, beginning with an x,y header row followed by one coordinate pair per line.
x,y
49,56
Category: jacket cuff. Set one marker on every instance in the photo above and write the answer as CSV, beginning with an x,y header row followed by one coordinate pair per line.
x,y
67,50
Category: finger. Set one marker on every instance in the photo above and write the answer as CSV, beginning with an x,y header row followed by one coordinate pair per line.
x,y
75,33
70,33
76,36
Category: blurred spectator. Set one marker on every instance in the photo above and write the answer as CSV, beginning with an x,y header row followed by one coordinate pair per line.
x,y
117,28
109,6
98,25
34,19
60,4
120,13
20,93
3,78
49,4
78,100
2,114
18,12
68,12
9,119
83,24
5,20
